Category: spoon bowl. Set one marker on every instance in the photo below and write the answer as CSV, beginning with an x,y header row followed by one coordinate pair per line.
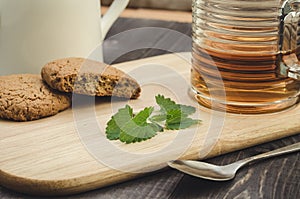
x,y
227,172
203,169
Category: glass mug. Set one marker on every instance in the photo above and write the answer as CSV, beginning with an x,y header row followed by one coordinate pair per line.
x,y
245,54
34,32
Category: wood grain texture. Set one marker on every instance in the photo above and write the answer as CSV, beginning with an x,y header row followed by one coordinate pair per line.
x,y
183,186
273,178
54,156
167,15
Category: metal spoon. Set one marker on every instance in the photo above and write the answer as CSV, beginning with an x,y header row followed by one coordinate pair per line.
x,y
226,172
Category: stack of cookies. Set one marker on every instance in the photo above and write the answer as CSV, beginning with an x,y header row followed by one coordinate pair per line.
x,y
26,97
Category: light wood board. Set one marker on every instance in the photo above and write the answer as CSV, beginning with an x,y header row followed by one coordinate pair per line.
x,y
155,14
69,153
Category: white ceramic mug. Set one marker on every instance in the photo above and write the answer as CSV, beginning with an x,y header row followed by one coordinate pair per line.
x,y
34,32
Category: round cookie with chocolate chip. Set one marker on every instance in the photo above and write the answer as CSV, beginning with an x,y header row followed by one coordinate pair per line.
x,y
88,77
26,97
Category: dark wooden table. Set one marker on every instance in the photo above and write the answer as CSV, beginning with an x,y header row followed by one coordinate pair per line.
x,y
273,178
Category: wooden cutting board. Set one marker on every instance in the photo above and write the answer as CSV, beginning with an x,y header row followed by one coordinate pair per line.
x,y
69,153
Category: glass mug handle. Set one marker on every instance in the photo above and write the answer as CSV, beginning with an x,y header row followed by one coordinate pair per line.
x,y
289,42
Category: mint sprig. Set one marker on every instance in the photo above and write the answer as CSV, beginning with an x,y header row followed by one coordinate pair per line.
x,y
166,105
130,128
175,115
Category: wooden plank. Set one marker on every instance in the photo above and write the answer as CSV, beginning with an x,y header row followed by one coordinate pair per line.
x,y
68,153
166,15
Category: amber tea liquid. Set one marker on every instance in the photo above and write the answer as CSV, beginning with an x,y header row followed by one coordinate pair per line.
x,y
241,84
237,50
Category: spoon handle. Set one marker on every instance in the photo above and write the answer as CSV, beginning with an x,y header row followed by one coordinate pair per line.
x,y
284,150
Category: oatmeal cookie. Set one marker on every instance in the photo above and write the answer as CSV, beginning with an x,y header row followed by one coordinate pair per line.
x,y
26,97
88,77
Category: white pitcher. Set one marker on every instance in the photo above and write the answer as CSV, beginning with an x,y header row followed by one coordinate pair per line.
x,y
34,32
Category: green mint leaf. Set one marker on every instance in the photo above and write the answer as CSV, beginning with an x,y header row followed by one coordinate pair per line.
x,y
158,118
137,133
112,130
156,127
176,120
188,110
166,104
183,124
138,129
142,117
129,128
175,116
117,121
